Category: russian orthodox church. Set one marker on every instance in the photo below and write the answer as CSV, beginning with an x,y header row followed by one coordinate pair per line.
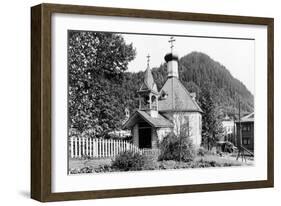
x,y
164,111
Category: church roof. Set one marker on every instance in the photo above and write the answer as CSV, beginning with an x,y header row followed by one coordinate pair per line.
x,y
148,83
158,121
178,98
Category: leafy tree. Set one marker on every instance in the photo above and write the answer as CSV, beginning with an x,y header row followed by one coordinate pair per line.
x,y
96,63
178,145
177,148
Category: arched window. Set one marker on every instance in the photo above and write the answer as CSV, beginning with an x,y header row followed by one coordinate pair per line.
x,y
153,102
144,102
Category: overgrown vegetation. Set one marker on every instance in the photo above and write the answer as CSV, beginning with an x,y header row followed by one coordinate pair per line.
x,y
177,148
205,161
128,161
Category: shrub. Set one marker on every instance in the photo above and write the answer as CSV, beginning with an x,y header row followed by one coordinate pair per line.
x,y
177,148
128,161
103,168
151,161
201,151
169,164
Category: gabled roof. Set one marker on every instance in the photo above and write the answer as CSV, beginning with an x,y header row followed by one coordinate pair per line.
x,y
158,121
178,98
148,82
248,118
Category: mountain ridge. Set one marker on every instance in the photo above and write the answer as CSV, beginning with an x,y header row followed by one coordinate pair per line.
x,y
197,69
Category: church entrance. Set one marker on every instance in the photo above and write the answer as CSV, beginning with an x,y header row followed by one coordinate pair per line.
x,y
145,137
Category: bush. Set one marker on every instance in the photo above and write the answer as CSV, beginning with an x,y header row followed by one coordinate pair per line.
x,y
151,161
201,151
169,164
128,161
104,168
177,148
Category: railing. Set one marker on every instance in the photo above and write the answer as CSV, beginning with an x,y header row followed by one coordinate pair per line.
x,y
99,148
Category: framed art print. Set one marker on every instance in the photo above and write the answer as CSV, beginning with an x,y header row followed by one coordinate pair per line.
x,y
130,102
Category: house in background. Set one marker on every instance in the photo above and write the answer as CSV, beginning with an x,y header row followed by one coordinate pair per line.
x,y
245,130
166,111
229,129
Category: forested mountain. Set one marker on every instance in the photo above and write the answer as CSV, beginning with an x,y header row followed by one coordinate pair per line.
x,y
196,70
226,90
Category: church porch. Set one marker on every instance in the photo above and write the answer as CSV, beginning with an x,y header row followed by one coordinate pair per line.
x,y
147,131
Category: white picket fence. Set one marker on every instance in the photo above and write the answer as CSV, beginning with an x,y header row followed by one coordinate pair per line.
x,y
99,148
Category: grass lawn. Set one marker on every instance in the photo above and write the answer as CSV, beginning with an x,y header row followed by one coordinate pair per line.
x,y
94,163
226,159
210,160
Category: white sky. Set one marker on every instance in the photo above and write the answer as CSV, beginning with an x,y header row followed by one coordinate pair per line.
x,y
235,54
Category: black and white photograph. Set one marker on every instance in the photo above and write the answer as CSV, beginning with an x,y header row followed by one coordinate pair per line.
x,y
139,102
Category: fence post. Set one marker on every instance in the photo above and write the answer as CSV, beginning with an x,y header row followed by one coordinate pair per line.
x,y
87,146
71,147
102,147
121,149
114,148
118,146
76,147
98,147
106,147
90,147
79,146
83,146
110,147
94,147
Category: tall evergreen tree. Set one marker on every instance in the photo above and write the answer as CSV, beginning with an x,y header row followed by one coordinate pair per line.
x,y
211,124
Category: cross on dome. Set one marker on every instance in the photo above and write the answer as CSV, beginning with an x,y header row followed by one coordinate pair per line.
x,y
148,60
171,41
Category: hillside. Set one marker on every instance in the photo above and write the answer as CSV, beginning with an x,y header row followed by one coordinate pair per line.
x,y
195,70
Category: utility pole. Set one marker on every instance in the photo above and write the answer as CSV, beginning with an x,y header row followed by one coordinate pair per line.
x,y
240,147
240,131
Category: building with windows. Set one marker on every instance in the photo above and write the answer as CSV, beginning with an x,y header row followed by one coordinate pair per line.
x,y
245,131
164,111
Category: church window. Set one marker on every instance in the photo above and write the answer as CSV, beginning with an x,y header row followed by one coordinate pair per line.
x,y
153,103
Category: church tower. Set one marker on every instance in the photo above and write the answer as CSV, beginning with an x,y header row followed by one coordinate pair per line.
x,y
148,93
172,61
